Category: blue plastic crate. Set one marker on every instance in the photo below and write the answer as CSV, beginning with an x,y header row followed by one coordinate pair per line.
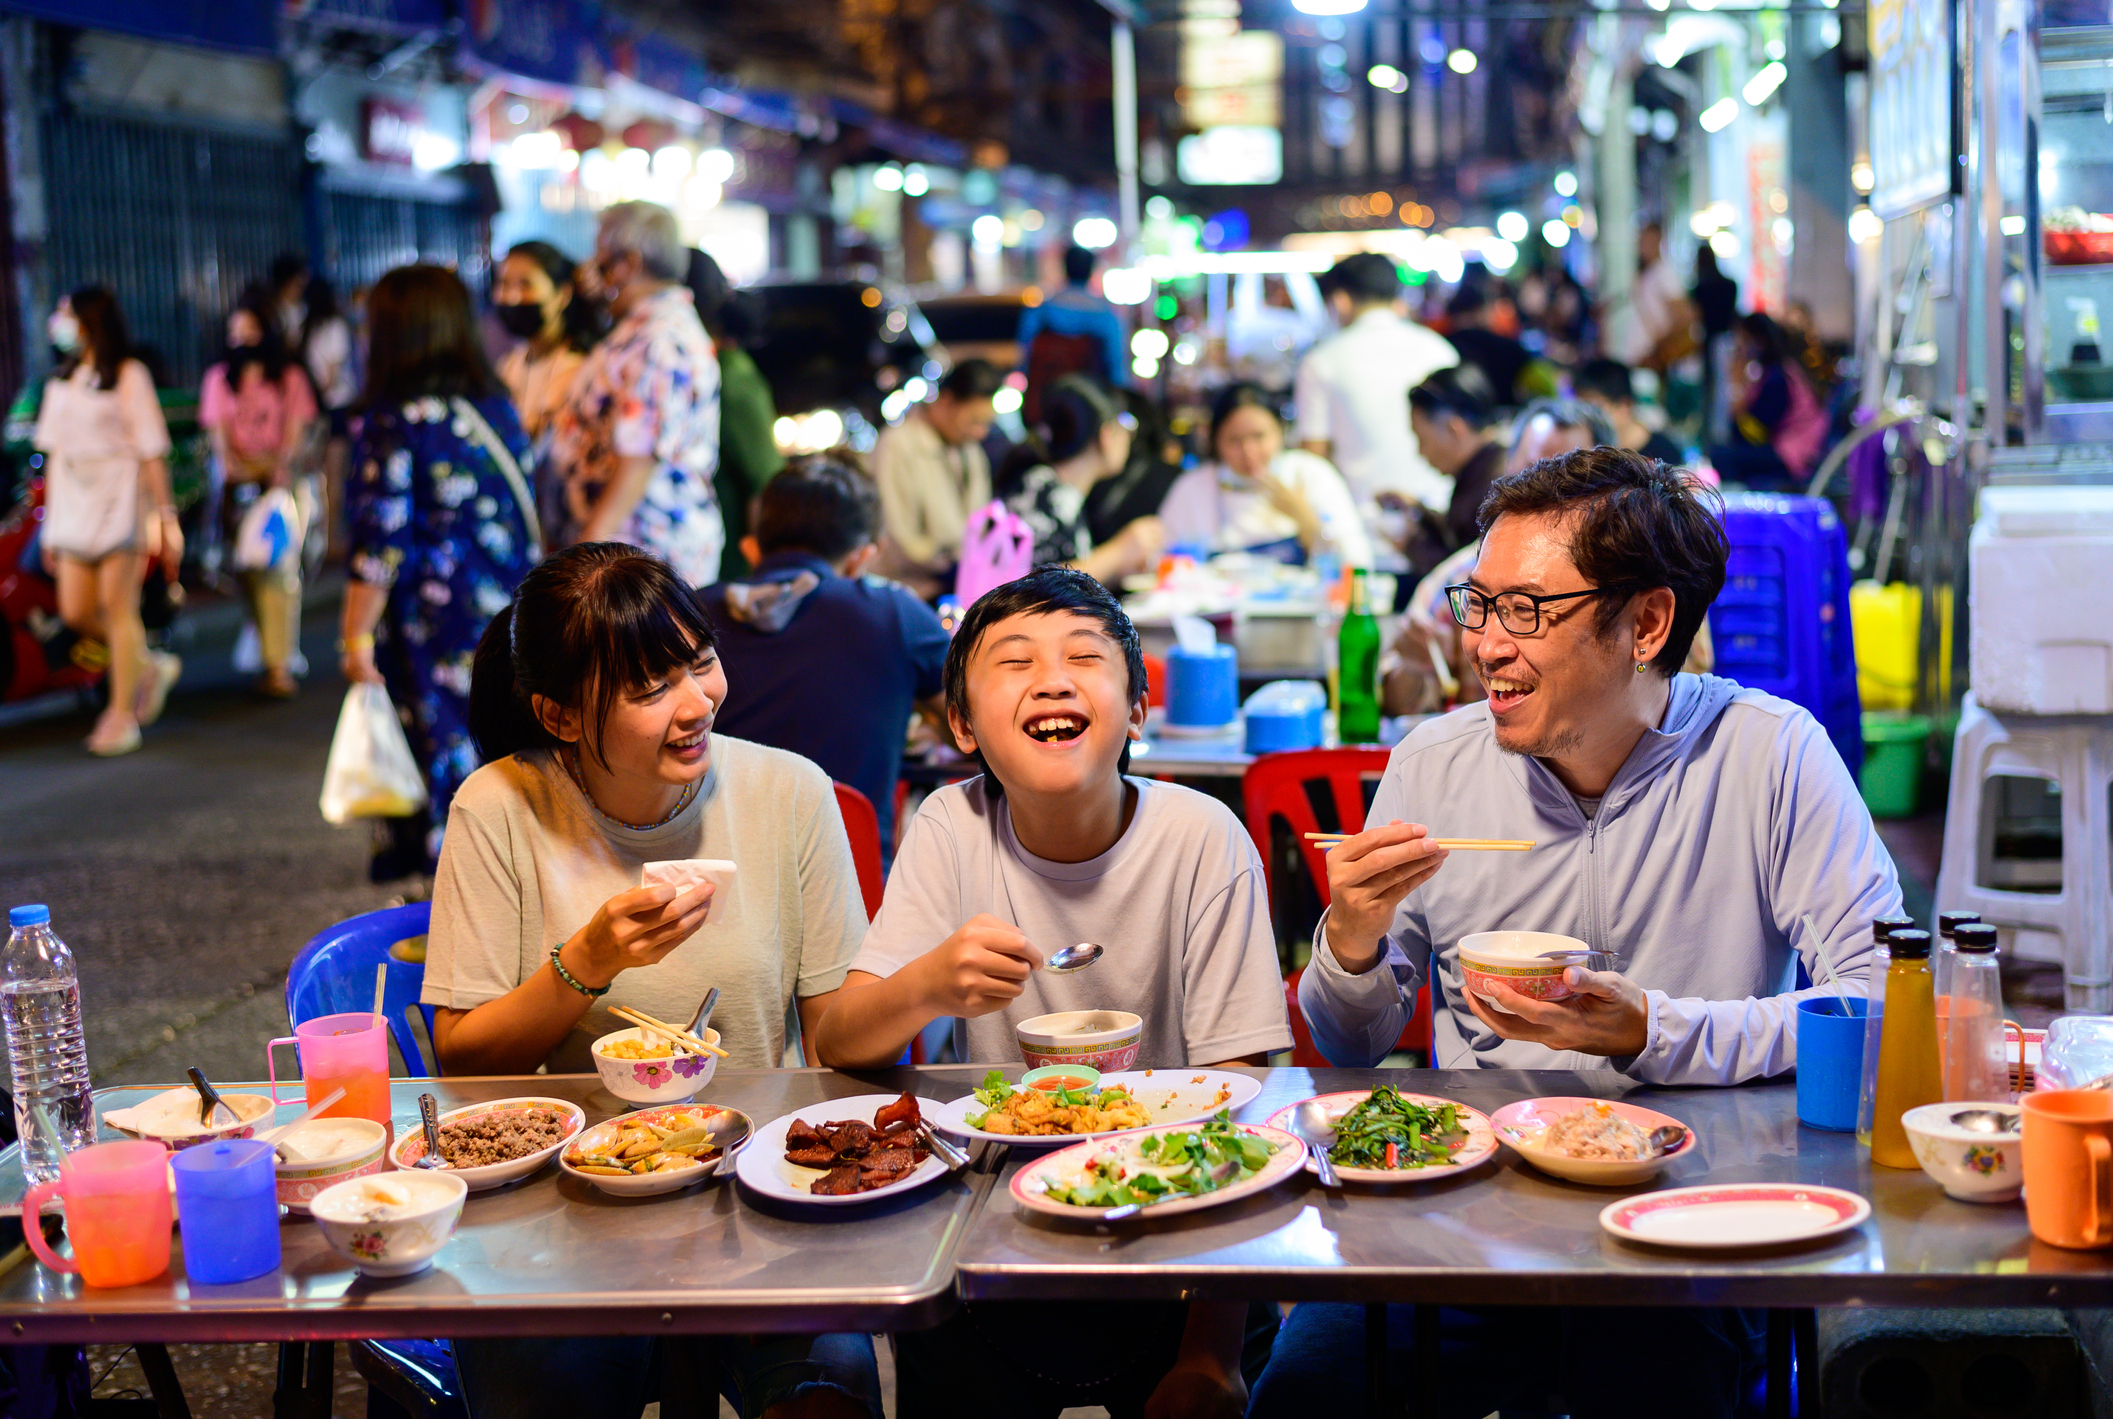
x,y
1782,622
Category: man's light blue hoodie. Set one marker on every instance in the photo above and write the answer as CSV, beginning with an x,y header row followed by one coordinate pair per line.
x,y
1721,830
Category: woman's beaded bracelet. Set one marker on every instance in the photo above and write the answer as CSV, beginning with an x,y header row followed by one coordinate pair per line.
x,y
572,980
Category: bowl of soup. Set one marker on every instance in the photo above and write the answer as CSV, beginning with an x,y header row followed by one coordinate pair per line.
x,y
1103,1040
390,1224
170,1118
1519,960
326,1151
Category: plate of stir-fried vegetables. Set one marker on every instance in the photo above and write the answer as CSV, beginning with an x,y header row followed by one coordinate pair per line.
x,y
1177,1168
1384,1135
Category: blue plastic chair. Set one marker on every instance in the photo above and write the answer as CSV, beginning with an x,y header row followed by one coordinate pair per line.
x,y
334,974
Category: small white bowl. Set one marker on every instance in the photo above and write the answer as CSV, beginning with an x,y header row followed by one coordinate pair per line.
x,y
654,1081
1106,1040
412,1145
1971,1166
393,1246
300,1181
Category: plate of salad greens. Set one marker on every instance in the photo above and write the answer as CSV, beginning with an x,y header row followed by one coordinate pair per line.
x,y
1001,1110
1384,1135
1166,1170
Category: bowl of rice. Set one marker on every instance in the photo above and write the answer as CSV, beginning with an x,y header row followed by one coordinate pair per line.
x,y
491,1144
1519,961
1604,1142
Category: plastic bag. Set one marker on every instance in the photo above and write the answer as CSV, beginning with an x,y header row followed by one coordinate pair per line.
x,y
2078,1051
371,772
996,548
269,538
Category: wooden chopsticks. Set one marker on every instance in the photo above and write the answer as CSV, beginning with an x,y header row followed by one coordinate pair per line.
x,y
675,1033
1328,840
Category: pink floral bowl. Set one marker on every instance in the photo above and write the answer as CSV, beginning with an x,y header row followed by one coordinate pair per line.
x,y
667,1080
1106,1040
1514,959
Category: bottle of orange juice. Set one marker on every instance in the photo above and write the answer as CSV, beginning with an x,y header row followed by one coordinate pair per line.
x,y
1909,1073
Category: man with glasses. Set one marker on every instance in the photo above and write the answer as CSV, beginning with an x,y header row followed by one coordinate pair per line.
x,y
1706,837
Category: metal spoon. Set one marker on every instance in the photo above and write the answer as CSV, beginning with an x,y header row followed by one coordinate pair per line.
x,y
429,1113
704,1011
729,1131
273,1135
1311,1122
942,1148
1986,1121
1665,1138
1066,959
209,1100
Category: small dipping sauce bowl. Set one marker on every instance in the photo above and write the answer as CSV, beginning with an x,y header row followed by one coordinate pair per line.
x,y
1515,959
1104,1040
1052,1077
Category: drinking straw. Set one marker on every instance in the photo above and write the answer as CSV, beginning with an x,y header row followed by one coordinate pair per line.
x,y
381,983
1834,977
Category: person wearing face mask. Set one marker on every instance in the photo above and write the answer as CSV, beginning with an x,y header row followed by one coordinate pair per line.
x,y
637,439
593,701
107,504
1707,838
257,406
1082,439
1259,496
443,529
534,301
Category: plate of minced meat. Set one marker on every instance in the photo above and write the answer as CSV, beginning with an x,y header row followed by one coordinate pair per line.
x,y
492,1144
1602,1141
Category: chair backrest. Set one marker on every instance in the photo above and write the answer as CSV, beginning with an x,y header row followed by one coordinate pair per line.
x,y
1313,791
862,826
334,974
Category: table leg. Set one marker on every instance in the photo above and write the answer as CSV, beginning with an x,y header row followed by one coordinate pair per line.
x,y
1780,1325
153,1359
1430,1375
1805,1351
304,1390
1376,1361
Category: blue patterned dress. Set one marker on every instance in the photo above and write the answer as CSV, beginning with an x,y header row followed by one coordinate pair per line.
x,y
435,520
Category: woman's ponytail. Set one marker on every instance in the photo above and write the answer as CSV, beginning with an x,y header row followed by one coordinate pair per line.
x,y
500,719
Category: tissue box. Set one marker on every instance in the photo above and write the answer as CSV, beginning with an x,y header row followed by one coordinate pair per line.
x,y
1203,687
2041,572
1285,714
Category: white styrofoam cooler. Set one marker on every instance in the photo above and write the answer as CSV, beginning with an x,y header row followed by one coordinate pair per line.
x,y
2040,567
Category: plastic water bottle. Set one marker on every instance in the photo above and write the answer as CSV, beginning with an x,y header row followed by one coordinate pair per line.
x,y
47,1058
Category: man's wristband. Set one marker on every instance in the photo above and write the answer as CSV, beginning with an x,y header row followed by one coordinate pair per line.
x,y
572,980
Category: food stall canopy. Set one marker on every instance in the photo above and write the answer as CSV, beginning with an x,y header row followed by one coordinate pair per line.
x,y
244,26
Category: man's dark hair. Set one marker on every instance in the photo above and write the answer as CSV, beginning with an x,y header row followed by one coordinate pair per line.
x,y
1632,522
1078,265
1462,390
1566,414
817,504
1045,591
972,379
1366,277
1468,300
1609,379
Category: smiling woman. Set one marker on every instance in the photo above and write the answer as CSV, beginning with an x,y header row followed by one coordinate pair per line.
x,y
593,699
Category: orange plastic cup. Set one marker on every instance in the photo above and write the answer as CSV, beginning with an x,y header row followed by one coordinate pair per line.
x,y
117,1213
2069,1167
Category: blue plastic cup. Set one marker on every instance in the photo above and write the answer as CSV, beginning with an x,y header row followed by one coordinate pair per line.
x,y
1830,1061
1203,690
227,1208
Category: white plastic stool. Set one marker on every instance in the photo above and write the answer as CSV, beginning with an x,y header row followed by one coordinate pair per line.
x,y
2075,752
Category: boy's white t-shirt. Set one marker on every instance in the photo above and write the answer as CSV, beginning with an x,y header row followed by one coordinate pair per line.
x,y
1179,903
528,861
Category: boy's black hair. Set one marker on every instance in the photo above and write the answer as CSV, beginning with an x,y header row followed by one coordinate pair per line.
x,y
1045,591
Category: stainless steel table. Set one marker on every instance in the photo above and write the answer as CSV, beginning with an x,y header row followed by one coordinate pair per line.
x,y
552,1256
1511,1235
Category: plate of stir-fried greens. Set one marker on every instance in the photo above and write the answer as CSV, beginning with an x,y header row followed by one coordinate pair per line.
x,y
1177,1168
1384,1135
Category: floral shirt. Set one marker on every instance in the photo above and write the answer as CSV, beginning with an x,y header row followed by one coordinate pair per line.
x,y
650,390
1056,513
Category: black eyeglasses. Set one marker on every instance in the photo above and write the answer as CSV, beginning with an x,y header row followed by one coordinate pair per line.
x,y
1517,611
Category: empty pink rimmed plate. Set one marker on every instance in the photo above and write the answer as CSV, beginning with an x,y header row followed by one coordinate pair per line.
x,y
1725,1217
1524,1124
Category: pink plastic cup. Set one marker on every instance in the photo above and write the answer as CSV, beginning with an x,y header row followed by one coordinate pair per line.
x,y
117,1213
350,1052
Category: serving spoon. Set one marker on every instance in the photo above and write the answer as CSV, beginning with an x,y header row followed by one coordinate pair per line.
x,y
1066,959
1311,1122
429,1114
1665,1138
1986,1121
209,1100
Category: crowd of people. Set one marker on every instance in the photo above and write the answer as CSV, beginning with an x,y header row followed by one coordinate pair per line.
x,y
618,632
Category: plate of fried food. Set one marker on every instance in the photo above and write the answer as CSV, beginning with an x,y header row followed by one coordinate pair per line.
x,y
1383,1135
841,1151
656,1151
1002,1110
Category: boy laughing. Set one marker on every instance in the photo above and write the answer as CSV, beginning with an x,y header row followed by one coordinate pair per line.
x,y
1055,844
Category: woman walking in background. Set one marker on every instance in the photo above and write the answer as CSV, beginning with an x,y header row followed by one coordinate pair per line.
x,y
107,503
258,407
1778,427
536,303
442,530
327,352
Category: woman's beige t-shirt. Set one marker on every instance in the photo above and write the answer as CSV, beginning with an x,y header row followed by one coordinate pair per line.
x,y
528,861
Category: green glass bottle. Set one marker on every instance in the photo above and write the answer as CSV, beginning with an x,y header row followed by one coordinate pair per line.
x,y
1357,668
